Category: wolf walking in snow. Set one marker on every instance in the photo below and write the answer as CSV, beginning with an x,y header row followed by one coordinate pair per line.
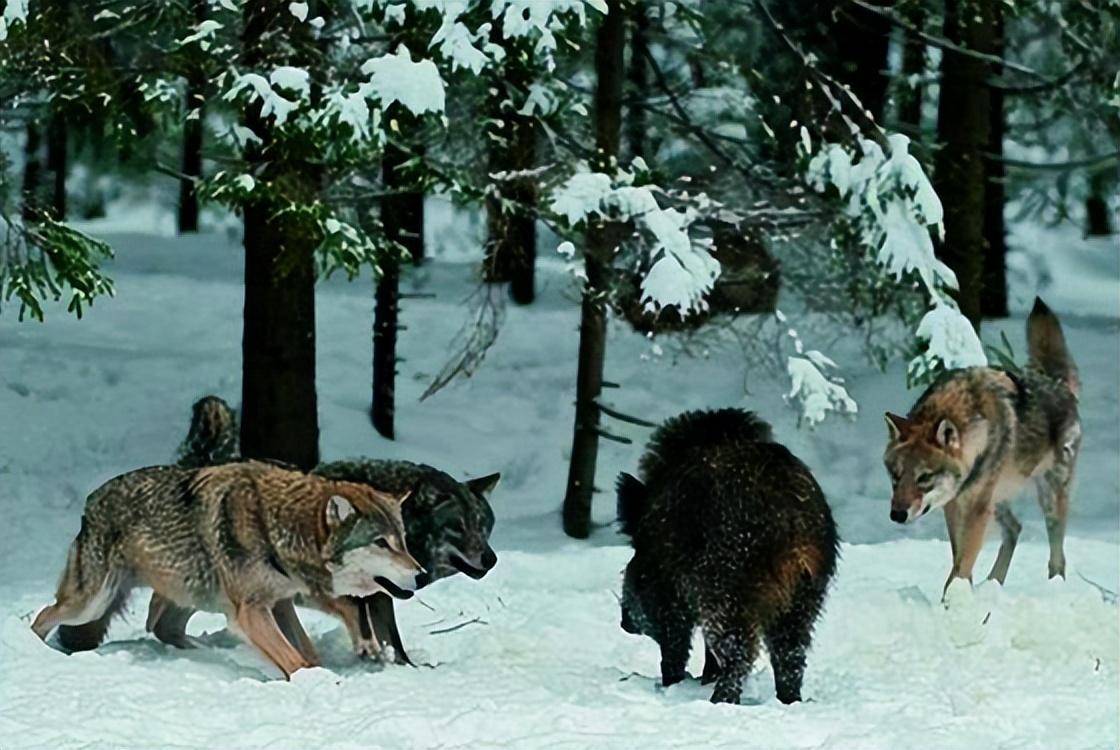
x,y
242,539
978,435
447,522
732,533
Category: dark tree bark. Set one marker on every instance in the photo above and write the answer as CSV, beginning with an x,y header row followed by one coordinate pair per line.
x,y
913,64
1097,221
993,300
402,220
511,249
637,75
32,169
192,139
278,400
602,238
963,129
57,162
864,39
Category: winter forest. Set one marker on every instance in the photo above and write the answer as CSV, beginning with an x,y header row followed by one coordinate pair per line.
x,y
513,373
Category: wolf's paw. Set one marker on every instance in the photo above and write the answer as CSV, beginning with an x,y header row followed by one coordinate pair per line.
x,y
967,611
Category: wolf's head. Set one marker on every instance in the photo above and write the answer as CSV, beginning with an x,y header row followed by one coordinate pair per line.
x,y
449,525
365,545
212,436
928,461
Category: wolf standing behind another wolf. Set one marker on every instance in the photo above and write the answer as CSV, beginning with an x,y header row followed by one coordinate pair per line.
x,y
241,539
977,435
730,532
448,524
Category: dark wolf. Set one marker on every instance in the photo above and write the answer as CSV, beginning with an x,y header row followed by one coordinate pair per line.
x,y
448,524
731,533
977,436
242,539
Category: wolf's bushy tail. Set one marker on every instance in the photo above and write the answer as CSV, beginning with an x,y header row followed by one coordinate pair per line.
x,y
699,429
1046,345
213,435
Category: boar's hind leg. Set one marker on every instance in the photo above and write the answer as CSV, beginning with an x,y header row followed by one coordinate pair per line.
x,y
711,668
788,638
675,646
734,643
383,620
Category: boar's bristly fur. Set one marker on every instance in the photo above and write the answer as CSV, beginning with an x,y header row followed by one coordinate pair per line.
x,y
731,533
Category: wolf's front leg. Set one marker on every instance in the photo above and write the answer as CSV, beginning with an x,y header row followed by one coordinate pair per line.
x,y
973,518
257,623
1053,498
286,618
383,622
348,609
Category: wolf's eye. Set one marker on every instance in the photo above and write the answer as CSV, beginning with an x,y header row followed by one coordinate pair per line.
x,y
925,479
381,542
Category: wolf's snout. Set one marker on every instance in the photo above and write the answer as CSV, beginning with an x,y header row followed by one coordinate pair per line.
x,y
898,515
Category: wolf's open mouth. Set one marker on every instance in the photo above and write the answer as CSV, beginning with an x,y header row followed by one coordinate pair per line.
x,y
394,590
463,566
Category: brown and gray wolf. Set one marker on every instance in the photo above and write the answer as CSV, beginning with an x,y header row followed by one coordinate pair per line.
x,y
448,524
978,435
242,539
731,533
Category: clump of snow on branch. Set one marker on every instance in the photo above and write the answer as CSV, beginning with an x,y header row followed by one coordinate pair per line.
x,y
683,270
816,393
15,11
891,202
397,78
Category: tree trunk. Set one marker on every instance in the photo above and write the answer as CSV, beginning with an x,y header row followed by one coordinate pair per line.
x,y
913,65
192,140
864,39
511,249
32,168
637,75
279,408
602,238
57,159
963,129
1097,221
399,220
993,301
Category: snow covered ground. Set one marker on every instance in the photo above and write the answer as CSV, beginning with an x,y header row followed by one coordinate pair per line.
x,y
545,664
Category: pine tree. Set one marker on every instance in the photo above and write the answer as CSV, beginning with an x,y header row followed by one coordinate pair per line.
x,y
602,240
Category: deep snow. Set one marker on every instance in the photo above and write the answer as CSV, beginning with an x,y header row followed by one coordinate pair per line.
x,y
546,665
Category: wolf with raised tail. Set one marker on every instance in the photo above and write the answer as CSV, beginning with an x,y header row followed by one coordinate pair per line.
x,y
241,539
978,435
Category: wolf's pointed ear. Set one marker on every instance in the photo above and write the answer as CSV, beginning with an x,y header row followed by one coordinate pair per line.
x,y
484,485
896,424
338,510
948,436
400,500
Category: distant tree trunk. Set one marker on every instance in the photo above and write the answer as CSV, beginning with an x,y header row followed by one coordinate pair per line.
x,y
602,238
278,399
1097,221
32,167
57,162
913,66
637,75
993,301
400,222
963,129
864,39
192,139
511,249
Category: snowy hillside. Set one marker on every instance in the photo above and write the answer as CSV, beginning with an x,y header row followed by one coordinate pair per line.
x,y
541,661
